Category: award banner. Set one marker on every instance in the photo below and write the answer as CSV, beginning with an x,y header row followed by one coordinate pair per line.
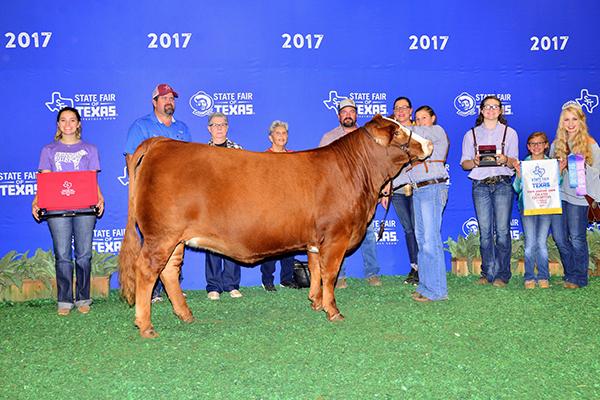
x,y
541,187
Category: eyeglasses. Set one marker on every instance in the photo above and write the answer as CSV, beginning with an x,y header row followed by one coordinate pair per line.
x,y
401,108
536,143
218,125
490,107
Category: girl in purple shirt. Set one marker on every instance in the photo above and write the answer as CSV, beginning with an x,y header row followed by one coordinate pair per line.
x,y
69,153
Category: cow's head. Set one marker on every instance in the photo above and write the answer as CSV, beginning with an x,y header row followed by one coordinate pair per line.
x,y
403,145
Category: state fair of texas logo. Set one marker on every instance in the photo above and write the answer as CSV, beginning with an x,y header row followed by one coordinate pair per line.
x,y
367,103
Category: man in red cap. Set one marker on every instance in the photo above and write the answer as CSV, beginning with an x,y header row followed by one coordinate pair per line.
x,y
160,122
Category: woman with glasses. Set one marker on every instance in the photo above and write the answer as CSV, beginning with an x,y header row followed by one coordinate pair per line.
x,y
489,151
222,274
535,227
578,154
401,196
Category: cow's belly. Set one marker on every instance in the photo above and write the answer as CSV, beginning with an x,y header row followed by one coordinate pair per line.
x,y
247,251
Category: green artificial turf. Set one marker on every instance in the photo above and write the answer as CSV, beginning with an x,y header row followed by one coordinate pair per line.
x,y
484,343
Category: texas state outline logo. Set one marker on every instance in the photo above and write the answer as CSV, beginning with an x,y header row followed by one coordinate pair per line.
x,y
587,100
334,99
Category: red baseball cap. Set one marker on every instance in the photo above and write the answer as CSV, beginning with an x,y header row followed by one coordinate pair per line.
x,y
162,89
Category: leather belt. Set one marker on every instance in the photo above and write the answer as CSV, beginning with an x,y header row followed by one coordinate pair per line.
x,y
492,180
430,182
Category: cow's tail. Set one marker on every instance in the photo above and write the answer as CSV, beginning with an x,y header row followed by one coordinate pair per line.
x,y
131,246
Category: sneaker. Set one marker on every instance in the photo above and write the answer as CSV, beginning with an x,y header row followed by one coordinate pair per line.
x,y
374,280
269,288
341,283
499,283
83,309
482,281
64,311
213,295
157,299
415,280
412,278
530,284
289,285
570,285
236,294
544,284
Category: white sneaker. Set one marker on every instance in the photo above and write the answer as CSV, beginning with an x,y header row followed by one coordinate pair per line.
x,y
157,299
235,294
213,295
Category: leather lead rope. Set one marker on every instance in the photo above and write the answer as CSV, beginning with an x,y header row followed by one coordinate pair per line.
x,y
382,226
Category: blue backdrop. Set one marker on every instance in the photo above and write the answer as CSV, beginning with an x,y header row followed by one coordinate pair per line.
x,y
260,61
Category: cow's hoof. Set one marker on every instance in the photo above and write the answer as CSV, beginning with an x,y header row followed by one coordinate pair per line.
x,y
336,317
149,333
317,306
187,319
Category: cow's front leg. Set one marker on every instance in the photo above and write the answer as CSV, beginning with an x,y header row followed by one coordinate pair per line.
x,y
170,278
331,259
144,282
315,294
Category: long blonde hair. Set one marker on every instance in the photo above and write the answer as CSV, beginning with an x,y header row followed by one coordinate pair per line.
x,y
581,140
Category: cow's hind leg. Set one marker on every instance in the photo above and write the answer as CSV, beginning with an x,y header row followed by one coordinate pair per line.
x,y
145,277
331,259
315,294
170,278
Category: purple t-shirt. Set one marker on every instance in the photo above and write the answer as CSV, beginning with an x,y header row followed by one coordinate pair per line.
x,y
58,156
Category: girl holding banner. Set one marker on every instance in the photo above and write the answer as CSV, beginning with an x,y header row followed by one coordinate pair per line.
x,y
579,157
537,185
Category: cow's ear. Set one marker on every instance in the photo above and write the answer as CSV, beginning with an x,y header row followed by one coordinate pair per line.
x,y
382,130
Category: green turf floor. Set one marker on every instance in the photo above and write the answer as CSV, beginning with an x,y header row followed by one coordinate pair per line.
x,y
484,343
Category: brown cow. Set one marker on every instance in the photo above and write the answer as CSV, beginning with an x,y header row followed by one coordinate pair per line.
x,y
250,206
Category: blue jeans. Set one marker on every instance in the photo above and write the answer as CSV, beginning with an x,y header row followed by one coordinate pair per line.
x,y
493,206
369,254
535,230
222,274
79,230
429,202
569,233
286,274
405,212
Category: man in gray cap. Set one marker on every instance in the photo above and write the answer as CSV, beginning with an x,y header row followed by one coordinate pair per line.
x,y
347,117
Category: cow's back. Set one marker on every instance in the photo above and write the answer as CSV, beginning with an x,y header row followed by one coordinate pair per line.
x,y
240,203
